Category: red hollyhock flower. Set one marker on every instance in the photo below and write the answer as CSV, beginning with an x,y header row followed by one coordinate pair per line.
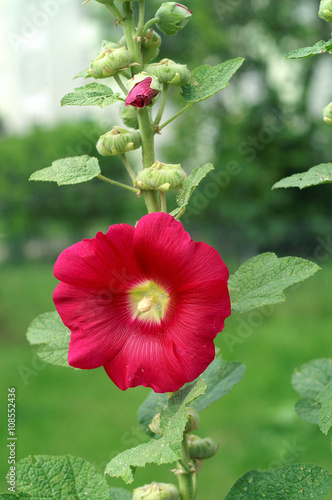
x,y
145,303
141,94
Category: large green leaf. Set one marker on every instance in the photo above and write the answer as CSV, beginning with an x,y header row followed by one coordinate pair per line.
x,y
189,185
207,81
313,381
52,337
291,482
165,450
320,174
262,280
73,170
44,476
92,94
319,48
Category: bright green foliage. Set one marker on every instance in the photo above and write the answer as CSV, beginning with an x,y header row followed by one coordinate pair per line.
x,y
325,397
152,405
120,494
295,482
44,476
189,185
262,280
165,450
320,174
73,170
313,382
52,337
208,80
319,48
92,94
219,377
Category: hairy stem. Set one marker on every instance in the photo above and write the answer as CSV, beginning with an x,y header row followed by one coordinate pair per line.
x,y
163,201
175,116
162,105
149,24
119,184
141,16
187,476
120,83
133,45
128,167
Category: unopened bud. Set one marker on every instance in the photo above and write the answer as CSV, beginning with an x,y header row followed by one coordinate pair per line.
x,y
143,90
118,141
129,116
172,17
112,59
325,10
168,71
160,177
193,420
150,44
201,448
156,491
155,425
327,114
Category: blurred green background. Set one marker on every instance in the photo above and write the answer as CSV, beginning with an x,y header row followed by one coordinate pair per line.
x,y
265,126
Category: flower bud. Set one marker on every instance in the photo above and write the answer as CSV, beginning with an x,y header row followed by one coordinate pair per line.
x,y
172,17
201,448
327,114
118,141
167,71
193,420
150,44
112,59
156,491
143,90
160,177
325,10
155,424
129,116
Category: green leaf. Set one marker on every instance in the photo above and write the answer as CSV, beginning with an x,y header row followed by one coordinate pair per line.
x,y
92,94
120,494
83,74
52,337
325,398
320,174
319,48
207,81
189,185
73,170
153,404
165,450
313,382
219,377
262,280
291,482
44,476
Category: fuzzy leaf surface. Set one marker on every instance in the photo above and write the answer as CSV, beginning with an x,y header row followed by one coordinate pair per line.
x,y
45,476
120,494
294,481
262,280
189,185
52,338
325,398
92,94
309,410
72,170
320,174
208,80
319,48
165,450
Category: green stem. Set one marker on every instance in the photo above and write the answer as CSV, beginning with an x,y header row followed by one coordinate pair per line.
x,y
187,477
128,167
163,201
162,105
175,116
114,11
149,24
121,85
128,27
119,184
141,16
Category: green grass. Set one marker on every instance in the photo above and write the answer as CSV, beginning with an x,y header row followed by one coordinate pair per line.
x,y
62,411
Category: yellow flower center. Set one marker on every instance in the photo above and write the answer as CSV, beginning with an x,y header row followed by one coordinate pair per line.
x,y
148,301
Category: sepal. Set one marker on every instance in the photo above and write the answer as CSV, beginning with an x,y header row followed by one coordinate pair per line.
x,y
325,10
160,177
112,59
156,491
172,17
201,448
129,116
168,71
118,141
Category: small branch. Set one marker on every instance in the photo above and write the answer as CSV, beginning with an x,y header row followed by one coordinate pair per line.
x,y
163,201
121,85
149,24
114,11
128,167
175,116
140,25
119,184
162,105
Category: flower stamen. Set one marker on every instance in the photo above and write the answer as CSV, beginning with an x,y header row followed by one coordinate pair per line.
x,y
145,305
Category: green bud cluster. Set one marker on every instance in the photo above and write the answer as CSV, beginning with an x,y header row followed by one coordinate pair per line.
x,y
160,177
325,10
156,491
118,141
172,17
167,71
150,44
201,448
112,59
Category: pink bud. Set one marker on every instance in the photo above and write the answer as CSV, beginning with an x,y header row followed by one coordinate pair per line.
x,y
141,94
